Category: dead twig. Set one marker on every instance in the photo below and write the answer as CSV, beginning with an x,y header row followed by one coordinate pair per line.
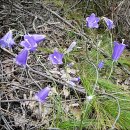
x,y
20,100
7,51
8,127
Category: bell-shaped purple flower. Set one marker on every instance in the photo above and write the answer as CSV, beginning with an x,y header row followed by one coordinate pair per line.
x,y
70,64
76,79
72,45
29,43
109,23
42,94
37,37
92,21
21,58
100,64
117,50
7,40
56,58
71,83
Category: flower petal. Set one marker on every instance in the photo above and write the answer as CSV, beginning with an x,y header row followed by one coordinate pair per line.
x,y
3,43
117,50
71,83
75,79
101,64
7,36
29,43
72,45
92,21
109,23
42,94
21,58
37,37
25,44
7,40
56,57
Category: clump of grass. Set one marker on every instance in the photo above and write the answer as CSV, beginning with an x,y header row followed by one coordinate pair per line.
x,y
110,102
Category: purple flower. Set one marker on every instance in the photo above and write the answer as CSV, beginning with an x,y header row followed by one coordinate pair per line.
x,y
7,40
92,21
75,79
37,37
29,43
117,50
72,45
71,83
56,58
109,23
42,94
70,65
21,58
101,64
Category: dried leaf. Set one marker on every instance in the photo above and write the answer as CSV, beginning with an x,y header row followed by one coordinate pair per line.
x,y
76,111
65,92
53,91
71,71
20,120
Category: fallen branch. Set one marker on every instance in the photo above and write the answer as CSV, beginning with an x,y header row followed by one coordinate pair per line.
x,y
19,100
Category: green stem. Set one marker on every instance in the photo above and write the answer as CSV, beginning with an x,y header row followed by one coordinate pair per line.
x,y
111,70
